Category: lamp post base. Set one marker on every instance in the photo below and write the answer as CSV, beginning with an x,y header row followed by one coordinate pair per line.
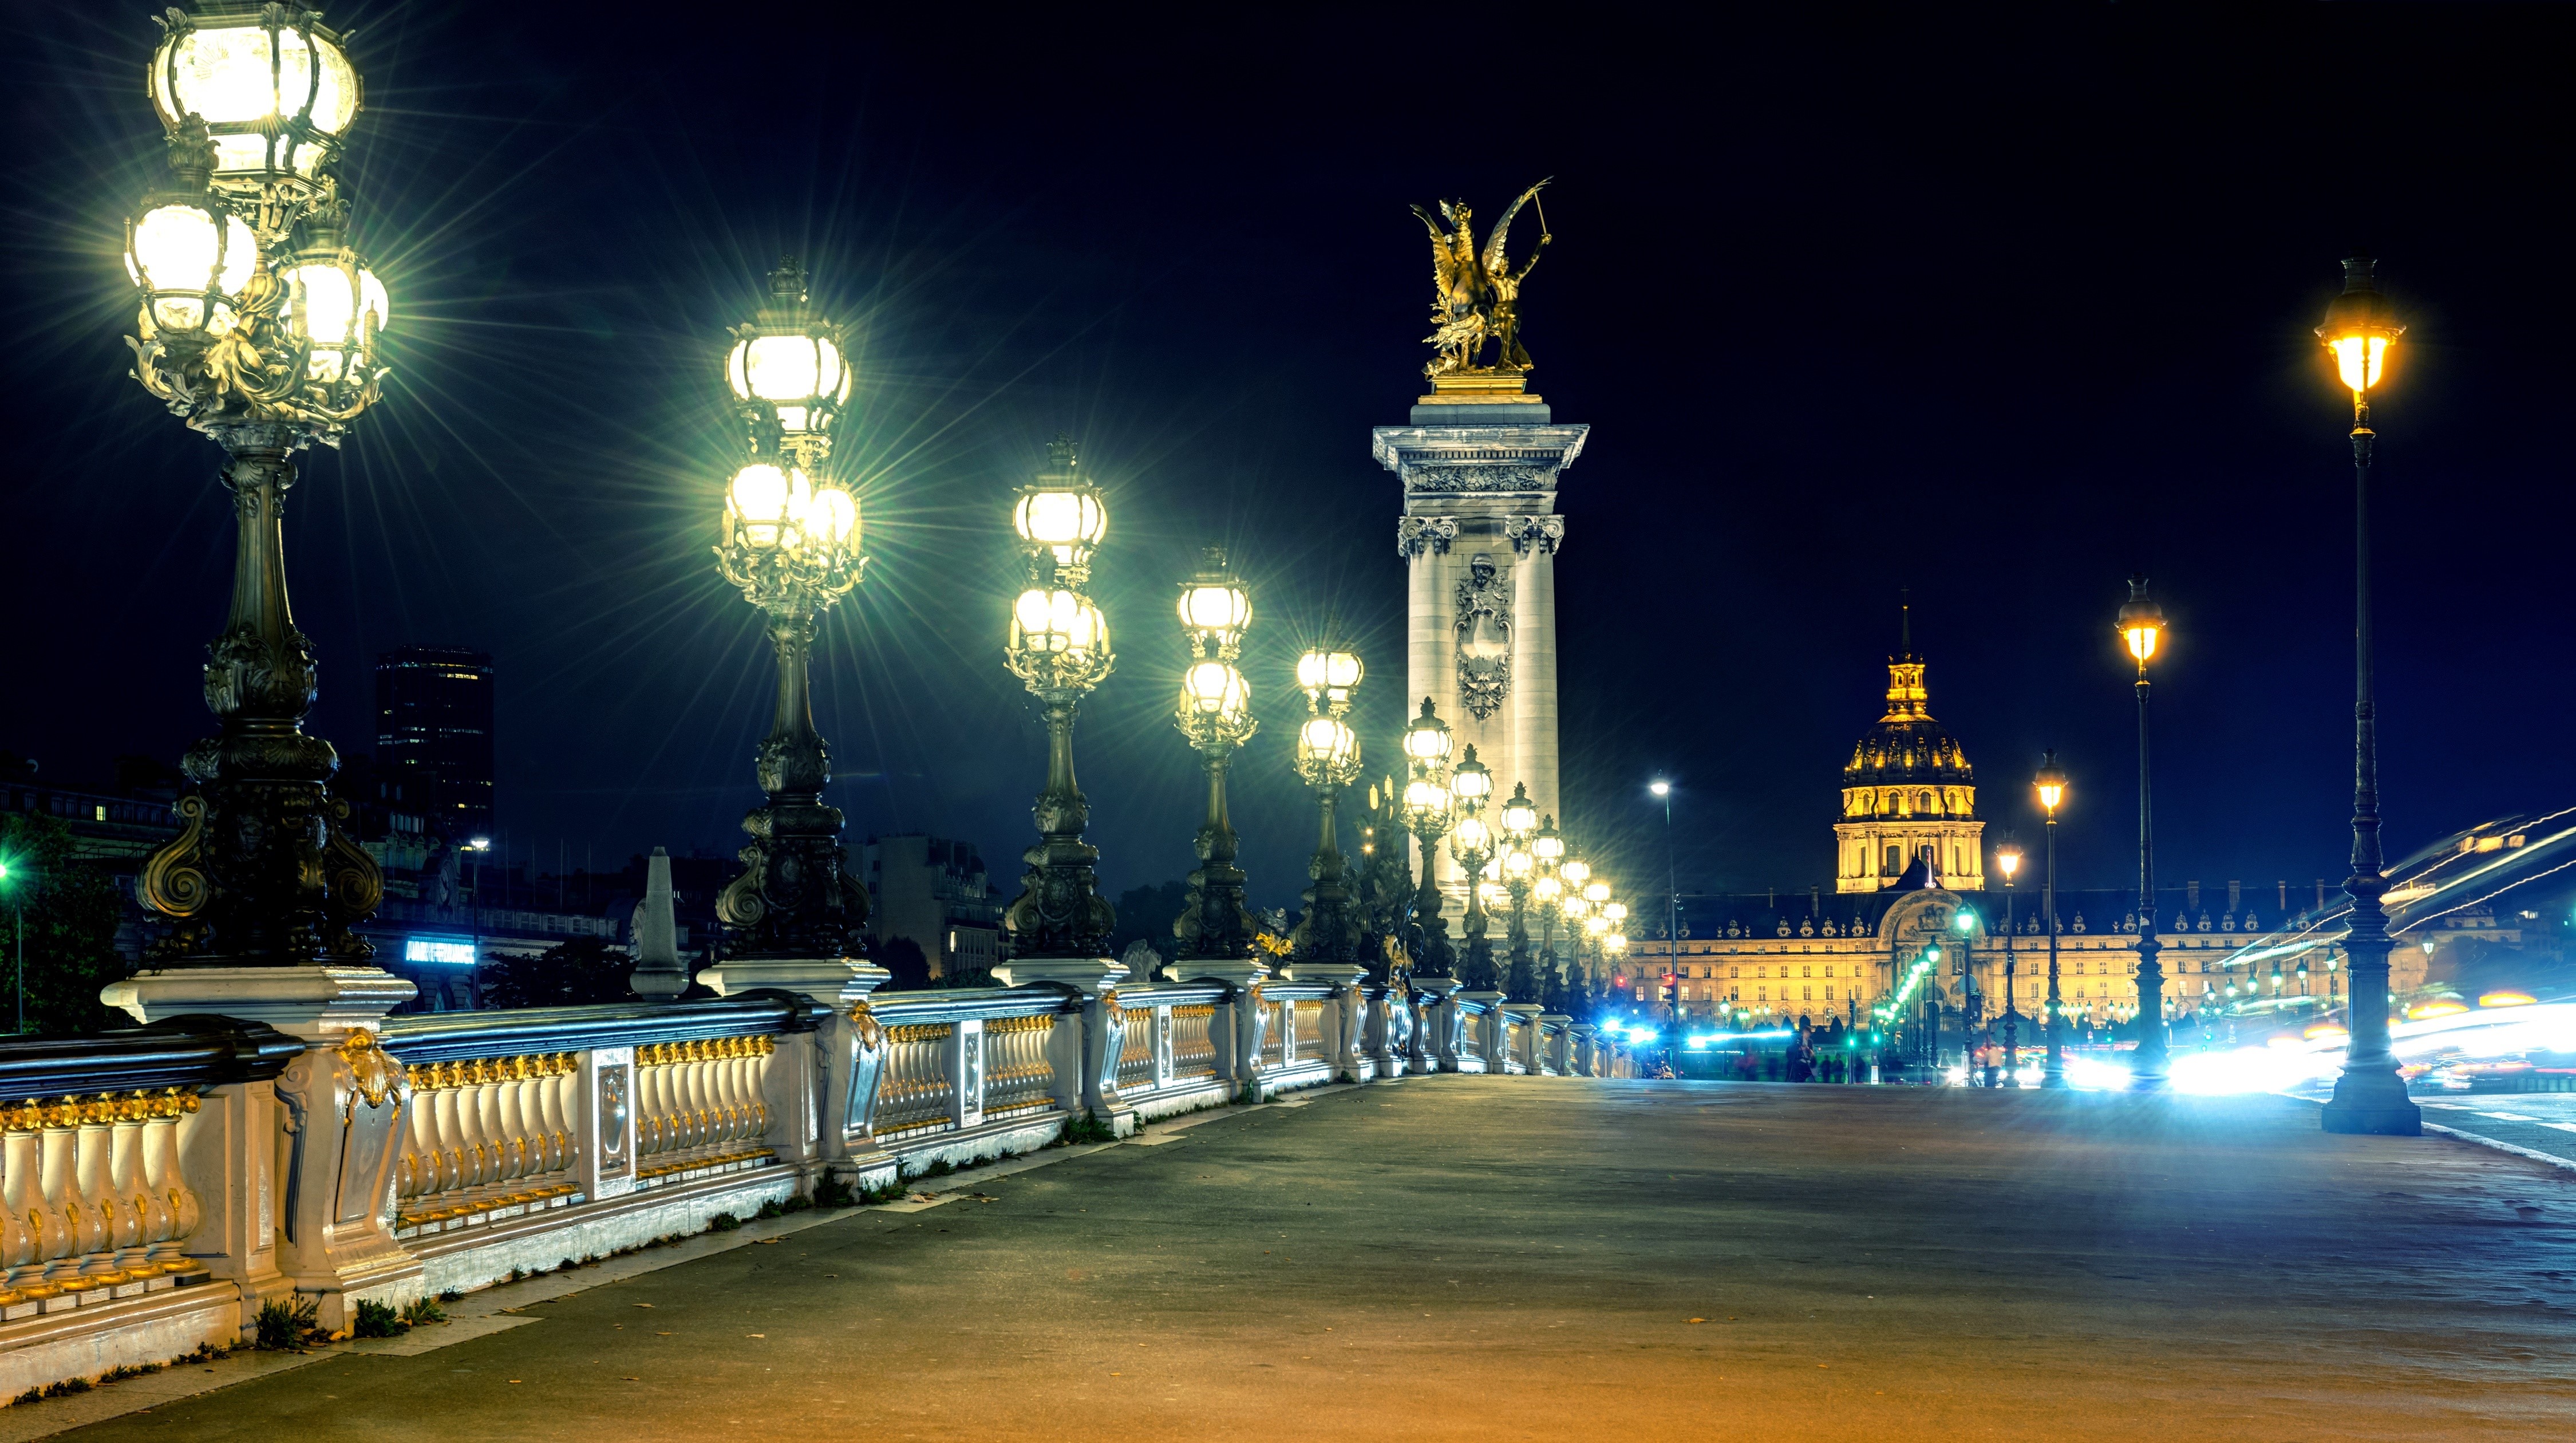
x,y
2372,1104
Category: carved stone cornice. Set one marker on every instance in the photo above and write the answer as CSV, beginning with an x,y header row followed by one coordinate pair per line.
x,y
1503,459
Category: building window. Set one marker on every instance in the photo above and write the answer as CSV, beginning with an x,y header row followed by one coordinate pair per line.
x,y
1811,994
1761,994
1806,971
1894,863
1734,971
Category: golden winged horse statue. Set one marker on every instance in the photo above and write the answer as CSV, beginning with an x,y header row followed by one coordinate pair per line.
x,y
1477,296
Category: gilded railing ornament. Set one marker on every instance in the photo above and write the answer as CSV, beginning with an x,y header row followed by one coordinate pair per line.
x,y
373,1072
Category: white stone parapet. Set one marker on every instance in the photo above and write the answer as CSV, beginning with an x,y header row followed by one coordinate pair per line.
x,y
159,1185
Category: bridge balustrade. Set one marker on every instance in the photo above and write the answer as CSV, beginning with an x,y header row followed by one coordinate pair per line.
x,y
159,1185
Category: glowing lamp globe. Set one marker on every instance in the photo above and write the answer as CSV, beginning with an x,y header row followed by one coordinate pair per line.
x,y
1328,675
1549,845
274,88
1472,780
1520,815
1427,738
2142,622
1327,744
1518,864
2360,327
2050,783
1058,622
1214,689
762,504
1547,890
339,306
2008,858
1617,912
189,262
1596,925
1596,892
1215,608
1615,943
1068,522
1426,805
1472,835
1574,870
790,362
830,520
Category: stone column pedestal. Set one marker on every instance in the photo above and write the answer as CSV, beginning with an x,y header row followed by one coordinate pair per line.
x,y
822,1085
340,1104
1239,1041
1084,1048
1436,1024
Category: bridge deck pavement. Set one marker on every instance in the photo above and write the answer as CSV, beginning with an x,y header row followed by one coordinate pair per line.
x,y
1495,1258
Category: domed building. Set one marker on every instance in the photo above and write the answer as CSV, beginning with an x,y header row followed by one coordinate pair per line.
x,y
1909,796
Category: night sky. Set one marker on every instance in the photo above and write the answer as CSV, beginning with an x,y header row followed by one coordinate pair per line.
x,y
1995,312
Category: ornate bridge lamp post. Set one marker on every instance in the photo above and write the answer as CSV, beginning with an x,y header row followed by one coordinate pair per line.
x,y
2008,862
1471,846
1518,865
1328,760
2141,626
1215,713
2360,329
1059,649
258,324
2051,786
1547,853
791,544
1429,808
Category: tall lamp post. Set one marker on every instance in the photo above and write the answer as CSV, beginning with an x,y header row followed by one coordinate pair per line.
x,y
2141,627
1471,846
1059,649
1215,713
2008,862
1519,866
2051,786
1428,810
2360,328
1547,889
1663,792
1328,761
258,324
791,544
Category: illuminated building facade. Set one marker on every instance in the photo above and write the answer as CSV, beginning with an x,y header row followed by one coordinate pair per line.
x,y
1909,795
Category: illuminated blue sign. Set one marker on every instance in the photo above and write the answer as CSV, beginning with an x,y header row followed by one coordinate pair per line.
x,y
439,949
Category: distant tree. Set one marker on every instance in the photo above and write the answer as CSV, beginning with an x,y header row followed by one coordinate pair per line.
x,y
903,957
71,913
576,973
1145,914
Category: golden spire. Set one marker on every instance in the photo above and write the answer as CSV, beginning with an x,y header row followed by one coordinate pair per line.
x,y
1905,699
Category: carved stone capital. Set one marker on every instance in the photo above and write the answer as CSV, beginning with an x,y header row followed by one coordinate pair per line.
x,y
1540,533
1416,534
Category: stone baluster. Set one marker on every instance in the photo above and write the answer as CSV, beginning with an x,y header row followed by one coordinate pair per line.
x,y
756,1085
84,1228
650,1110
117,1228
449,1153
150,1216
554,1119
418,1173
733,1108
518,1151
168,1182
33,1231
689,1116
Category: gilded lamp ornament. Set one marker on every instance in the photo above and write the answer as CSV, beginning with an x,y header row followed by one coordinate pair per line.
x,y
1215,713
258,324
790,543
1059,649
1328,760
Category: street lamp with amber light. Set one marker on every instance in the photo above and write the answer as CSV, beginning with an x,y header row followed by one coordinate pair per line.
x,y
2050,783
2008,862
2141,626
1215,713
2359,330
258,325
1059,649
